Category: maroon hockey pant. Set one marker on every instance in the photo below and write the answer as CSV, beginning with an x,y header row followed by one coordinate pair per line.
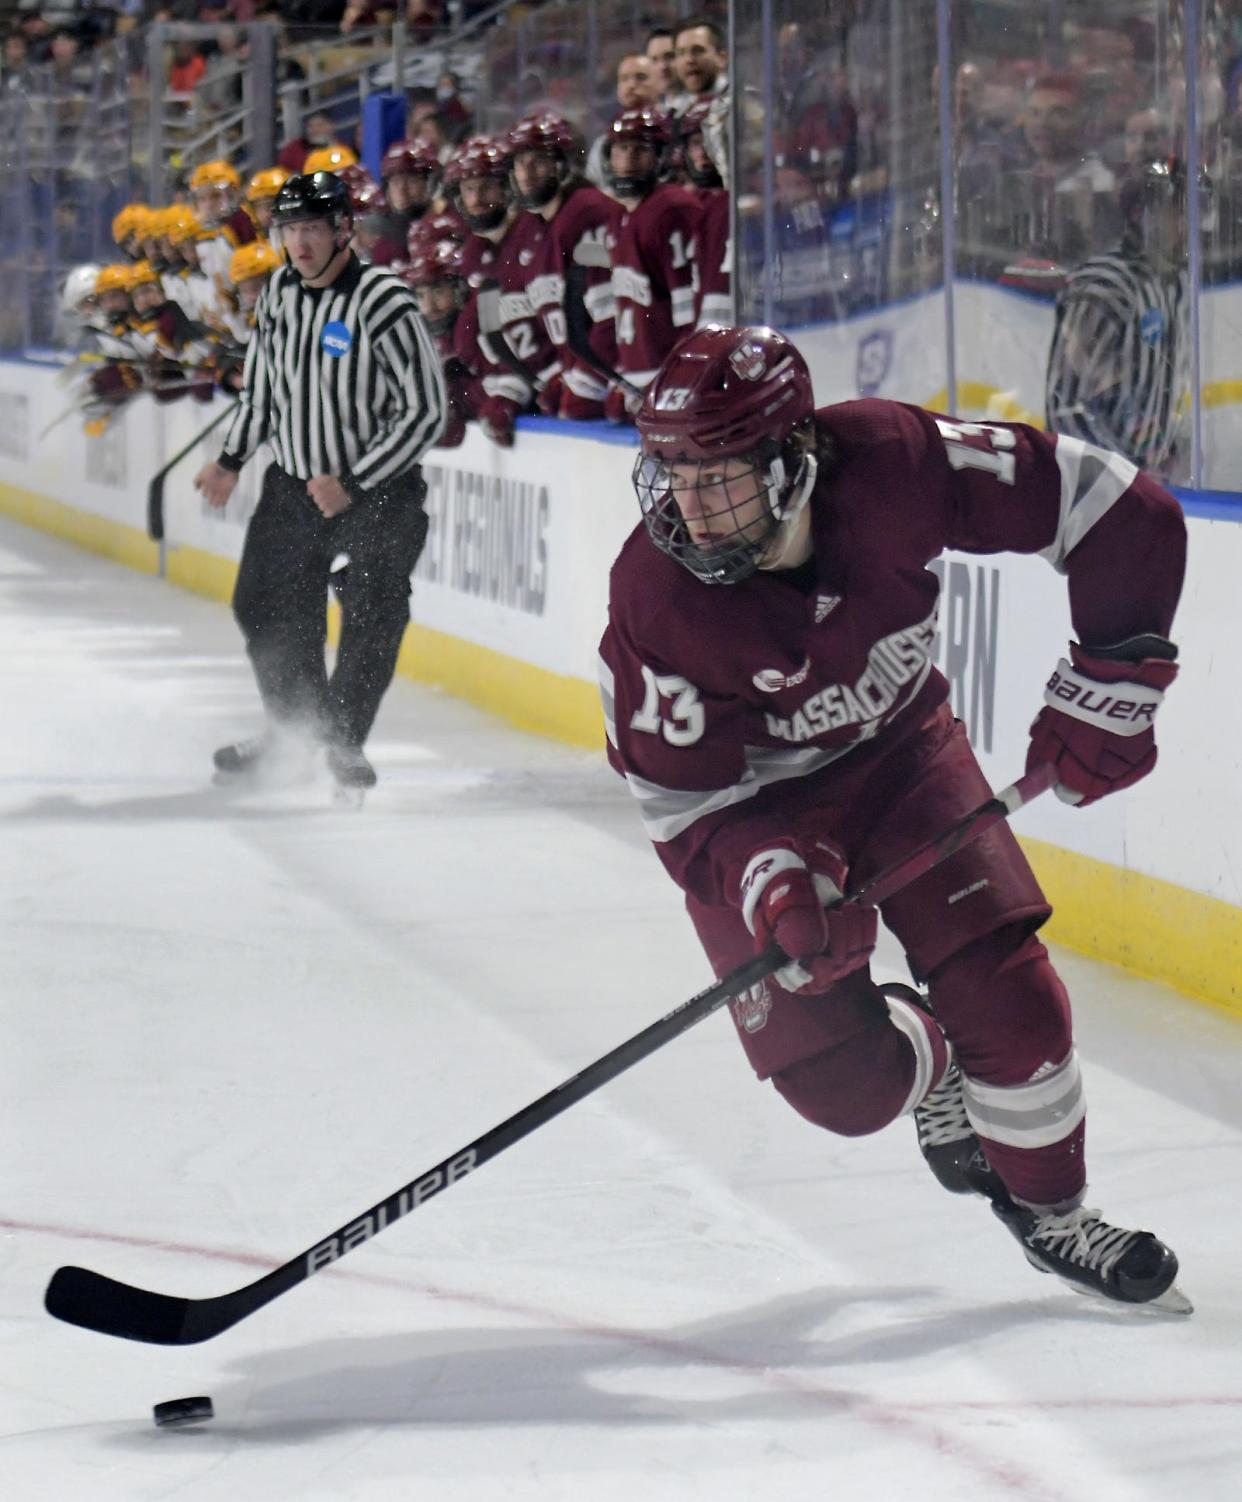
x,y
968,928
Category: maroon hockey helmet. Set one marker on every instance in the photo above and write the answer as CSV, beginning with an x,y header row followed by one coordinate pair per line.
x,y
479,157
367,199
438,265
645,127
726,458
692,126
410,157
551,136
431,229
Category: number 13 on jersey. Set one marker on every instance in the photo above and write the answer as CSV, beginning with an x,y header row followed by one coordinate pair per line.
x,y
685,720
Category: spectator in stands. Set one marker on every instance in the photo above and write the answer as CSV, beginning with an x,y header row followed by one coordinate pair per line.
x,y
1062,200
37,30
358,15
318,130
1148,137
221,88
188,68
14,62
816,126
700,61
423,18
429,127
661,52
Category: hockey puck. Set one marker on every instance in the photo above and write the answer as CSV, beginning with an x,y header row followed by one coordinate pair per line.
x,y
183,1411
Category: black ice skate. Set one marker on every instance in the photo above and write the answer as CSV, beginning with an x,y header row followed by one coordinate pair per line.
x,y
1126,1267
266,760
352,773
946,1138
948,1142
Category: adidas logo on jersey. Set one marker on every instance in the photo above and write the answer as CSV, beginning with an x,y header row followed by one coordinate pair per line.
x,y
824,606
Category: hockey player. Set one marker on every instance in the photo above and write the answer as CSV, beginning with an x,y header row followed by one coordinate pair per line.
x,y
330,159
409,174
713,302
128,227
547,179
250,269
261,193
770,697
1119,368
438,277
516,360
653,261
216,190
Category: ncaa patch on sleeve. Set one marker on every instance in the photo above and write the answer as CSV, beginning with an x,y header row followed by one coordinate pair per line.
x,y
336,339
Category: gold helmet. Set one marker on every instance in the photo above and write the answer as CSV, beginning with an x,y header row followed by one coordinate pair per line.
x,y
266,184
330,159
180,224
143,274
129,221
114,278
215,174
255,259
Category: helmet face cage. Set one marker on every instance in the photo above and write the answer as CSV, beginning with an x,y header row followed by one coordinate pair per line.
x,y
734,503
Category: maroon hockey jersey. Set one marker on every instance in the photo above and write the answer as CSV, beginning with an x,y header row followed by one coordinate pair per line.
x,y
730,707
510,263
653,279
587,214
714,258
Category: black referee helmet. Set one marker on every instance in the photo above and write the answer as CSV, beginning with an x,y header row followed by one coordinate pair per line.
x,y
312,195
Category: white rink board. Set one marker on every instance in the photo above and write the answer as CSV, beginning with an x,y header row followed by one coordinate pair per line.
x,y
534,588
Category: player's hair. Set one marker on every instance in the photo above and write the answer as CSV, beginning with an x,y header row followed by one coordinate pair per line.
x,y
692,23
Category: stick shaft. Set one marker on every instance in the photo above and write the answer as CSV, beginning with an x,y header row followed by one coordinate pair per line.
x,y
103,1304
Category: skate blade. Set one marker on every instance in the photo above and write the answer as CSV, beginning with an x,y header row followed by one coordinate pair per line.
x,y
344,796
1171,1301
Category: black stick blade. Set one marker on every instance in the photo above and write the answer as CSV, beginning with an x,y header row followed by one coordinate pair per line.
x,y
155,508
81,1297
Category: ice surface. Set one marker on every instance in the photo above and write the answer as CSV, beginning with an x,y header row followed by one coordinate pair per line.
x,y
230,1024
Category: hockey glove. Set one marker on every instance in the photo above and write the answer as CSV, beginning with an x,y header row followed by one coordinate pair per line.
x,y
496,417
1097,729
549,399
782,894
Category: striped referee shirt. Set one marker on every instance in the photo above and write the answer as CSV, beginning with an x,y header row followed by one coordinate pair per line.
x,y
343,380
1118,370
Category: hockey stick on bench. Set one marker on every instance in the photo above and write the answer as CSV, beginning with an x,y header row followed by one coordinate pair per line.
x,y
492,328
588,255
99,1303
155,490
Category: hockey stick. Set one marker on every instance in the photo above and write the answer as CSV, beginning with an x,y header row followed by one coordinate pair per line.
x,y
588,255
155,490
96,1302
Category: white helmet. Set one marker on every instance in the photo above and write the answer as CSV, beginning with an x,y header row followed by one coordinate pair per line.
x,y
79,285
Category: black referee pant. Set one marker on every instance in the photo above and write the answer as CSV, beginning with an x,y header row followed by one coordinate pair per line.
x,y
280,601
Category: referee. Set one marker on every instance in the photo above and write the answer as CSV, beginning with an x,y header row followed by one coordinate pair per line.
x,y
343,380
1118,369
